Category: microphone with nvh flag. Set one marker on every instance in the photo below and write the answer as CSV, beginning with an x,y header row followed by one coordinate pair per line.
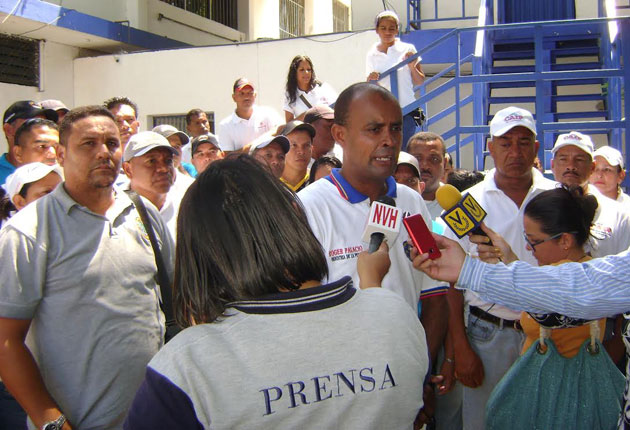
x,y
383,222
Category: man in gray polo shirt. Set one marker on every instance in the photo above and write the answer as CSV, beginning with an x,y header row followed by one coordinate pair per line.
x,y
79,310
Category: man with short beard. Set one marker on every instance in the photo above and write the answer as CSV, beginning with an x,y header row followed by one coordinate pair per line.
x,y
79,276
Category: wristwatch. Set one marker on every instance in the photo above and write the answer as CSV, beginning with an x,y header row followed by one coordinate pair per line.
x,y
55,425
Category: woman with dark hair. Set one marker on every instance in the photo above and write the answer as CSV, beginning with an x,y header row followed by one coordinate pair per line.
x,y
322,167
562,357
304,90
267,345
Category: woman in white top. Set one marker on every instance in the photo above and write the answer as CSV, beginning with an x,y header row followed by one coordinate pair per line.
x,y
303,90
385,54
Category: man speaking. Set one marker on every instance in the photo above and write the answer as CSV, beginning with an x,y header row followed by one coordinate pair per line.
x,y
368,125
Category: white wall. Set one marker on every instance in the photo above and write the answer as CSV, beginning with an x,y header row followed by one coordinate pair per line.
x,y
175,81
58,74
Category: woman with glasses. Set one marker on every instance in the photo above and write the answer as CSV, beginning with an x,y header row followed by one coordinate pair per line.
x,y
559,353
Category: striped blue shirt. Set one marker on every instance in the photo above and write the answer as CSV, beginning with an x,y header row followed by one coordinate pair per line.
x,y
590,290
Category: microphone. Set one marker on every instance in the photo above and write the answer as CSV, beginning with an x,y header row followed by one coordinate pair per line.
x,y
463,214
383,222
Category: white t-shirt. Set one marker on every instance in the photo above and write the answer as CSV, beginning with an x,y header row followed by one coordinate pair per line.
x,y
434,208
610,233
337,214
322,94
378,61
624,201
236,132
505,218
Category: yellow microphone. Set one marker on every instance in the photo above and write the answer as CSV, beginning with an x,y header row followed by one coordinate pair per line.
x,y
462,214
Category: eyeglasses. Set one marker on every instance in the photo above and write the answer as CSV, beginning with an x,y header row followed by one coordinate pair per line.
x,y
534,244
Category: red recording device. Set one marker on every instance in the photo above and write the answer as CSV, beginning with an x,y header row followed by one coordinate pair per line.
x,y
421,236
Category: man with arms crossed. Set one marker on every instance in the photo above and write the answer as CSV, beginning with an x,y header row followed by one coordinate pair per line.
x,y
79,311
486,348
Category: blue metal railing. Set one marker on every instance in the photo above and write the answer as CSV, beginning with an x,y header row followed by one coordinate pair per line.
x,y
616,125
414,14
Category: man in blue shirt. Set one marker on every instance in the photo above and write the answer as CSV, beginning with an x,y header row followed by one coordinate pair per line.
x,y
13,118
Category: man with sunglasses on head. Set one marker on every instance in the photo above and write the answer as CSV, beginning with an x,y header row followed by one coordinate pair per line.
x,y
486,347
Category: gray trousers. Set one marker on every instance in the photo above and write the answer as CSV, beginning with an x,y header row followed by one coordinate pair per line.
x,y
498,349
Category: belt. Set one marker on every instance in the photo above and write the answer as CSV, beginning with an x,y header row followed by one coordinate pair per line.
x,y
481,314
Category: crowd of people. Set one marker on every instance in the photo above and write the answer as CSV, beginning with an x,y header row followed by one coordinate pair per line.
x,y
251,241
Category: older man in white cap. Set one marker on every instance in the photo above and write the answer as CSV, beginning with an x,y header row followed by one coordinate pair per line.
x,y
609,173
486,348
148,162
573,164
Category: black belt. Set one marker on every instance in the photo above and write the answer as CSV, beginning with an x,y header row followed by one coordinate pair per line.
x,y
481,314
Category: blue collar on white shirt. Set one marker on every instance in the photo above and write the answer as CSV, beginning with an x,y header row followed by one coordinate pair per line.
x,y
348,192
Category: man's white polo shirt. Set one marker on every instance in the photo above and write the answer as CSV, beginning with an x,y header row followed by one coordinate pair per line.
x,y
337,214
505,218
236,132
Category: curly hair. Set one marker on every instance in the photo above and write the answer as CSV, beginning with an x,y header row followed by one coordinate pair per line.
x,y
292,84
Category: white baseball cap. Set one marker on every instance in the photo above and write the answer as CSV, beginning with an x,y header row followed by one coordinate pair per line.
x,y
510,117
406,158
28,173
574,138
611,155
145,141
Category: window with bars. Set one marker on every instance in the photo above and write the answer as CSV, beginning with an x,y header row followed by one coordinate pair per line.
x,y
341,16
19,60
222,11
179,121
291,18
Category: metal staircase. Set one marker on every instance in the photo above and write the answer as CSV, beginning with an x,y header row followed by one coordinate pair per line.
x,y
568,73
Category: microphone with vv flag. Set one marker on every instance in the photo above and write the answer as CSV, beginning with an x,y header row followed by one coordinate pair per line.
x,y
383,222
463,214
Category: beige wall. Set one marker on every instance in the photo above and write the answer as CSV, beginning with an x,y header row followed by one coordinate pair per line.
x,y
173,82
58,76
144,15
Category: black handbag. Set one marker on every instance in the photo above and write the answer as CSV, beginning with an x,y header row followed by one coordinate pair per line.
x,y
166,303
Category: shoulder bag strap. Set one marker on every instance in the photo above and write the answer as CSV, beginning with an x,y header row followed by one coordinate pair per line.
x,y
305,101
166,304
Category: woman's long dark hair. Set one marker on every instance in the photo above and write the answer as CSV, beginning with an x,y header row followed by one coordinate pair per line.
x,y
292,85
562,210
241,234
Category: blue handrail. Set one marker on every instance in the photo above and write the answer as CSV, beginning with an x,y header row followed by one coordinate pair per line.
x,y
542,77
